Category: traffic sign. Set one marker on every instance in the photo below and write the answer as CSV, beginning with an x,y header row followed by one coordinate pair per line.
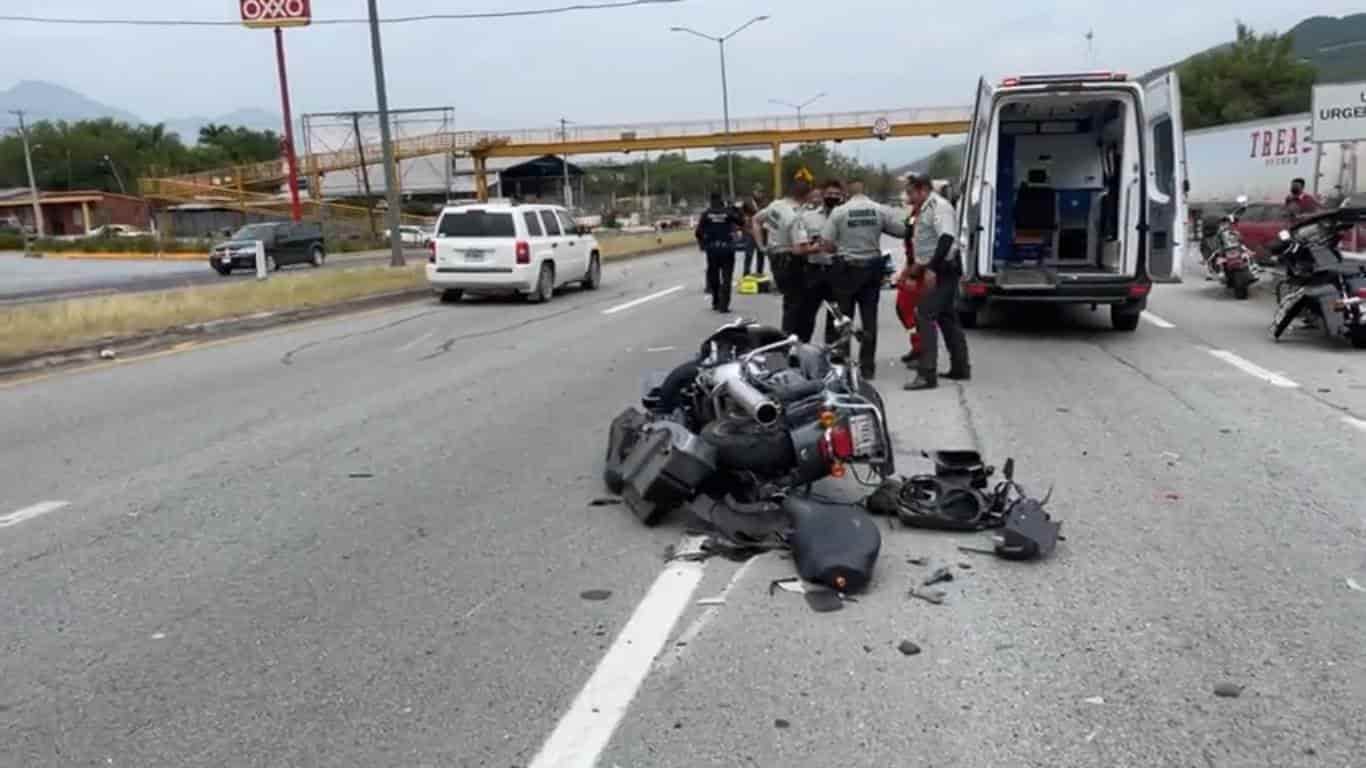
x,y
275,13
1339,112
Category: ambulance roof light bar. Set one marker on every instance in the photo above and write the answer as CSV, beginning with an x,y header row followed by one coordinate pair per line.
x,y
1071,77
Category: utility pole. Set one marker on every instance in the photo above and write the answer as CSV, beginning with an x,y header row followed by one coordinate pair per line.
x,y
564,162
390,173
114,170
645,206
364,173
28,163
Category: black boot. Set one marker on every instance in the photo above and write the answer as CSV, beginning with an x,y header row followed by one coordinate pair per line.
x,y
868,371
958,374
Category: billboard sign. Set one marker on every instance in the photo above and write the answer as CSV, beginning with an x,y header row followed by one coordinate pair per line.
x,y
1340,112
275,13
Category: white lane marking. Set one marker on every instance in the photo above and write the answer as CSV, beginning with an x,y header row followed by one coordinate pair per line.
x,y
660,349
695,628
585,729
1354,422
416,341
1254,370
1157,321
28,513
641,300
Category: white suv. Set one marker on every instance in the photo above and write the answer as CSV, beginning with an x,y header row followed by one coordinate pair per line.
x,y
509,248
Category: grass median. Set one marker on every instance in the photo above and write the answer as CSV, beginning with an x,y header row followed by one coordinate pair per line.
x,y
32,329
35,328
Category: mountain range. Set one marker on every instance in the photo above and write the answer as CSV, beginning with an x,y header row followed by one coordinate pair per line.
x,y
48,101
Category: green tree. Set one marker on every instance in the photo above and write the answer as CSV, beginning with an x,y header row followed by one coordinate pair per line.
x,y
1257,76
947,163
238,145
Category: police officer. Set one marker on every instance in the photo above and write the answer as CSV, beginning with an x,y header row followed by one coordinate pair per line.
x,y
780,230
716,233
818,263
853,232
938,264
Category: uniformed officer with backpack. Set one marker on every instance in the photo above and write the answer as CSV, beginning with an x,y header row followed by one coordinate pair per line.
x,y
717,230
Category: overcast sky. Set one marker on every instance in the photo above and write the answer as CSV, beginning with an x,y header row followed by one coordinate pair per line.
x,y
613,65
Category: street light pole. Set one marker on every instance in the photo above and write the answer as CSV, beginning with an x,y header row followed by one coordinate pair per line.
x,y
114,169
28,164
725,90
390,174
799,107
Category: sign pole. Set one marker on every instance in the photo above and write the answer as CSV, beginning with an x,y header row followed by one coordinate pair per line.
x,y
296,213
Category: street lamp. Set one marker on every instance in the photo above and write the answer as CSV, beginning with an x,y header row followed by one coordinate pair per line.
x,y
725,95
114,169
798,107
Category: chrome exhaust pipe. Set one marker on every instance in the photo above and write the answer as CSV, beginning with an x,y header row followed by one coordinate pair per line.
x,y
751,401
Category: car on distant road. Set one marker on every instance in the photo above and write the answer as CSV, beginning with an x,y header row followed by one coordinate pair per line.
x,y
408,235
117,230
510,248
285,243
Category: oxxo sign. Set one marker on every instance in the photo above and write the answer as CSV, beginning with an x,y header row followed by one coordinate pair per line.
x,y
275,13
1340,112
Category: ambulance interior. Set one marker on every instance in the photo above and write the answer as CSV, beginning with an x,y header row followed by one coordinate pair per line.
x,y
1059,184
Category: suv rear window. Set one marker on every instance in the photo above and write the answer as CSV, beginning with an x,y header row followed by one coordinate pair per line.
x,y
476,223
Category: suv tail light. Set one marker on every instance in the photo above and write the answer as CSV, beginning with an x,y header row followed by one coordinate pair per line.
x,y
431,251
1361,293
1139,290
523,252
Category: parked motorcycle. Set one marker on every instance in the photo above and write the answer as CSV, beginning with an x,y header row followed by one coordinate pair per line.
x,y
1226,258
756,414
1319,285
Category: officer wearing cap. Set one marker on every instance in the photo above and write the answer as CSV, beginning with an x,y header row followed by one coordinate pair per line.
x,y
780,231
716,233
938,265
853,233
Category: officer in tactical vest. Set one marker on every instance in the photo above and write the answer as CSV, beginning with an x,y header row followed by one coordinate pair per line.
x,y
717,229
779,229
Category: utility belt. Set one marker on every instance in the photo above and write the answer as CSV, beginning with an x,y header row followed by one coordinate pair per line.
x,y
841,261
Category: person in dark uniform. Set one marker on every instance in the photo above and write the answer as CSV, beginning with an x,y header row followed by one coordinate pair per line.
x,y
716,233
779,230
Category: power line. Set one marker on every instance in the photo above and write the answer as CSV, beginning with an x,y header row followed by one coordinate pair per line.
x,y
325,22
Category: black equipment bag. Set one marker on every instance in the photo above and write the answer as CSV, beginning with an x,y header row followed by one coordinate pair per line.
x,y
833,544
622,436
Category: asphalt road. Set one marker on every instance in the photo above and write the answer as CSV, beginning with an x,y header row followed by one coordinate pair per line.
x,y
28,280
363,542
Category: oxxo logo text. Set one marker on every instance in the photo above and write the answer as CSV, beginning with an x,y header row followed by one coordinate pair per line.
x,y
269,12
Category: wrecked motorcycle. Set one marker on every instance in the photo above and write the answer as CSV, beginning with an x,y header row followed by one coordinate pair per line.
x,y
1226,258
754,415
1319,285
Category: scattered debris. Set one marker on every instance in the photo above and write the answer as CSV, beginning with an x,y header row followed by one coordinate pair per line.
x,y
824,600
1029,531
917,560
965,565
718,600
935,596
360,475
781,723
976,550
1171,456
605,501
1090,737
867,649
1228,690
1324,390
1172,496
1094,700
678,726
1225,431
159,636
1354,585
107,354
596,595
938,574
1063,409
908,648
791,584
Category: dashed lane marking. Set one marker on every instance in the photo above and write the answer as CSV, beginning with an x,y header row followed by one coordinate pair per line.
x,y
641,300
1157,321
30,512
584,731
1253,370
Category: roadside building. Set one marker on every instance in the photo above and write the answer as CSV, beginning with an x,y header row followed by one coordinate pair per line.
x,y
74,212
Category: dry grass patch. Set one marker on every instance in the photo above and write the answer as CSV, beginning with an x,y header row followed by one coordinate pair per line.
x,y
32,328
620,246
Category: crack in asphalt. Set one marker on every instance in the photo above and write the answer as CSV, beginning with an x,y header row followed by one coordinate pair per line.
x,y
1149,378
446,345
288,357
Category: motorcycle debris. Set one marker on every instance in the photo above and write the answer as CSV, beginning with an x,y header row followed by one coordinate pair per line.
x,y
360,475
933,596
824,600
1228,690
976,550
605,501
908,648
712,601
1354,585
791,584
595,595
938,574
